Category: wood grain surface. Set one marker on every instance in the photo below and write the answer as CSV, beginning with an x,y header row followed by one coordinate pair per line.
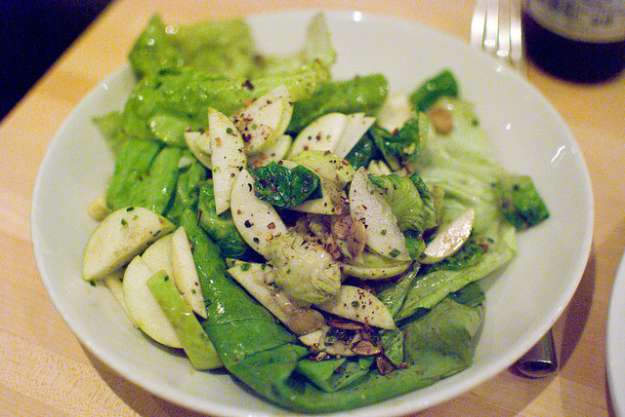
x,y
44,371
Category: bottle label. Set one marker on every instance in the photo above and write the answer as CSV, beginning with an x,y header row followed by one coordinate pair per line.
x,y
597,21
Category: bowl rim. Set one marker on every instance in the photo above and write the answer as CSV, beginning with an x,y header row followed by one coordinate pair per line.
x,y
614,328
192,402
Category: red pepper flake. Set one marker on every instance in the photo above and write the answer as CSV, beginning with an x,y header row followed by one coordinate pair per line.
x,y
271,226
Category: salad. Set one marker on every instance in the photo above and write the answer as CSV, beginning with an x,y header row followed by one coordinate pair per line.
x,y
319,239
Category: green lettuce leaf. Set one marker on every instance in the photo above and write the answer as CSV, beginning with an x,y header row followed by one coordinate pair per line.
x,y
443,338
186,195
431,288
184,95
360,94
520,202
441,85
364,152
220,228
110,126
145,176
285,187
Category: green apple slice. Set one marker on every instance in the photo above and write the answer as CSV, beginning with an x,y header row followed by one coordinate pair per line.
x,y
323,134
142,306
227,158
113,282
371,266
257,280
185,273
256,220
359,305
119,237
189,331
158,255
370,208
327,165
199,145
395,111
356,126
266,119
450,238
277,151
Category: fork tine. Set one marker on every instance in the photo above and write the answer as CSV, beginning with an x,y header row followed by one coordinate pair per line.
x,y
478,24
503,37
517,53
492,26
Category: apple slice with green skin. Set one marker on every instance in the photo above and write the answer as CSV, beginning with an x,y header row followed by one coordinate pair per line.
x,y
371,266
199,145
357,125
227,158
119,237
450,238
256,220
395,111
277,151
185,273
329,203
327,165
143,308
359,305
113,282
257,280
189,331
265,120
369,207
323,134
158,255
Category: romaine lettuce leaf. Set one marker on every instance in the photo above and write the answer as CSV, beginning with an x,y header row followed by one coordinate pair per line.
x,y
220,228
111,127
442,84
360,94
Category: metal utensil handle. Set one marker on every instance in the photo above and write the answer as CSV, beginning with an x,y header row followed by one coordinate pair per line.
x,y
541,360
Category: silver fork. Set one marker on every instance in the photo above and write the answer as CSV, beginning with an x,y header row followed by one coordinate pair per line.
x,y
496,29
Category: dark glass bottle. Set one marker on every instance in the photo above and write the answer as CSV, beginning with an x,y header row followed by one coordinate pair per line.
x,y
578,40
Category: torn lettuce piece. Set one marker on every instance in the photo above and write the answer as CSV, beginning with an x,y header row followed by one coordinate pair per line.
x,y
360,94
363,153
394,293
431,288
216,47
186,195
285,187
153,50
334,374
472,295
520,202
110,126
403,147
145,176
317,47
443,84
393,345
443,338
186,94
223,47
220,228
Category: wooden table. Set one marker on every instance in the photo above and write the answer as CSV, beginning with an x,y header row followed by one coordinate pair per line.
x,y
44,371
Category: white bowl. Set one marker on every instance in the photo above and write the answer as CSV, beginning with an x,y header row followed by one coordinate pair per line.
x,y
522,303
615,346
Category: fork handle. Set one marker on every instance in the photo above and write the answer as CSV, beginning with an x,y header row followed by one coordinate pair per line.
x,y
541,360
